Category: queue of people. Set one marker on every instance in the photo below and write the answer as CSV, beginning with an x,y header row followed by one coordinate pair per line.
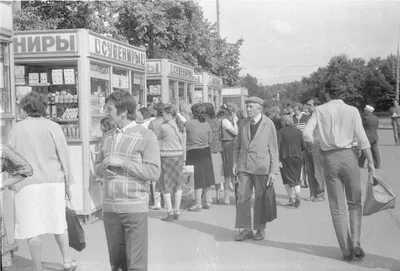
x,y
144,157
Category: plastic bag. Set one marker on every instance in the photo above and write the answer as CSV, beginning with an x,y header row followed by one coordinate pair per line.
x,y
269,210
188,184
76,234
379,196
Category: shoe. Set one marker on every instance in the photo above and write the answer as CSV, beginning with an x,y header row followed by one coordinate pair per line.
x,y
70,266
348,258
296,203
290,203
155,207
358,253
318,199
244,235
168,217
176,215
310,199
260,235
206,206
195,208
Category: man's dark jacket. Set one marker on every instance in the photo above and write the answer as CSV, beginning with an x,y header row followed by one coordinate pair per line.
x,y
371,123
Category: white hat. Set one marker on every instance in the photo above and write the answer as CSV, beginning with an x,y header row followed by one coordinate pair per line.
x,y
369,108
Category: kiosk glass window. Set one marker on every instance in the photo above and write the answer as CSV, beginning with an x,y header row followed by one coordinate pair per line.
x,y
181,91
120,79
172,93
99,89
59,83
137,86
153,95
189,93
5,89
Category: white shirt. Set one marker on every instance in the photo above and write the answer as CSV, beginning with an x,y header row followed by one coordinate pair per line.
x,y
257,118
338,125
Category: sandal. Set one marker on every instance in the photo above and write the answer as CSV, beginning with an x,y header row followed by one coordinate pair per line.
x,y
195,208
318,199
176,215
70,266
310,199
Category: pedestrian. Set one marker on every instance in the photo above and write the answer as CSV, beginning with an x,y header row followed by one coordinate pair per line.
x,y
172,139
274,113
198,154
216,151
291,147
18,168
256,162
129,158
300,119
395,116
339,125
105,125
43,145
155,126
371,123
229,130
147,118
315,162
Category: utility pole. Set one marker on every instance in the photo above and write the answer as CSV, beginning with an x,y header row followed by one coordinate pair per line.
x,y
218,29
398,67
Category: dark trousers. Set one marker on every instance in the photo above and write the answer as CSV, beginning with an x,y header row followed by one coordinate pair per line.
x,y
375,156
243,206
127,240
313,183
343,183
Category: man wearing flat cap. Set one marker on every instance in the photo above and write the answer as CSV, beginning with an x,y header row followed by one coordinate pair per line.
x,y
256,163
370,123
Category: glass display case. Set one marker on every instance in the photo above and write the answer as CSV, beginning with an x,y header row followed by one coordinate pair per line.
x,y
59,84
138,83
120,79
153,94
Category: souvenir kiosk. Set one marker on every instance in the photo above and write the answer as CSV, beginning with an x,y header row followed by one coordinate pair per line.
x,y
208,88
235,96
77,69
168,82
7,109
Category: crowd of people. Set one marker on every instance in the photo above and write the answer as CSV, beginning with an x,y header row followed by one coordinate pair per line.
x,y
144,151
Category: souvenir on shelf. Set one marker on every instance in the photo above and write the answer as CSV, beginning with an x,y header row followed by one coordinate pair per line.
x,y
69,76
33,78
57,77
43,78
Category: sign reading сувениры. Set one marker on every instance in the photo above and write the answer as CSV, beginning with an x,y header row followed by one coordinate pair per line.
x,y
116,51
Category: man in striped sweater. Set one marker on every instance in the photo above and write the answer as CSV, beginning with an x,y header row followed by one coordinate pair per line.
x,y
129,159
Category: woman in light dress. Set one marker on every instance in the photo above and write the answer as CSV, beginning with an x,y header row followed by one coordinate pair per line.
x,y
40,199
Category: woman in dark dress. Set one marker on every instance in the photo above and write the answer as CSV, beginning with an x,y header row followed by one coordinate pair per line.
x,y
199,155
291,147
18,169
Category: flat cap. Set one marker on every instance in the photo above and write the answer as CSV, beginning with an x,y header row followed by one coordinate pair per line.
x,y
254,100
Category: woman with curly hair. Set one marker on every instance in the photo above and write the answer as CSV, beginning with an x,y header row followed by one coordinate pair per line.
x,y
198,154
216,149
42,143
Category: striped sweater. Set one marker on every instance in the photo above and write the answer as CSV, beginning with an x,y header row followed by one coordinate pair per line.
x,y
127,190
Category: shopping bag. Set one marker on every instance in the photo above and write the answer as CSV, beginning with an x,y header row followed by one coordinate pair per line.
x,y
269,210
378,197
188,184
76,234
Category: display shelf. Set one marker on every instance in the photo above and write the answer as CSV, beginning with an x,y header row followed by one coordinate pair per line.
x,y
39,85
98,115
74,139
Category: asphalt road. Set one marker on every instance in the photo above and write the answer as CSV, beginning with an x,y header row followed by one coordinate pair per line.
x,y
300,239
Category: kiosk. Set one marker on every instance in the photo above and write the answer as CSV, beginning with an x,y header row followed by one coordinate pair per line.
x,y
235,95
168,82
208,89
7,109
77,69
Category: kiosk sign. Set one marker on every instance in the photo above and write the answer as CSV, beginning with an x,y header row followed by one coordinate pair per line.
x,y
116,51
44,43
215,81
181,71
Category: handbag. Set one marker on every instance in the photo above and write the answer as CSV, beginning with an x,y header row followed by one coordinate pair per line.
x,y
379,196
76,235
269,210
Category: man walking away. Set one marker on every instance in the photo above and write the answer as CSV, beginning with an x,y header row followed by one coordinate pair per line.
x,y
338,125
370,123
256,162
395,115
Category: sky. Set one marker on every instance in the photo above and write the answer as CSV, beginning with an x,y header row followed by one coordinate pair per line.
x,y
286,40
